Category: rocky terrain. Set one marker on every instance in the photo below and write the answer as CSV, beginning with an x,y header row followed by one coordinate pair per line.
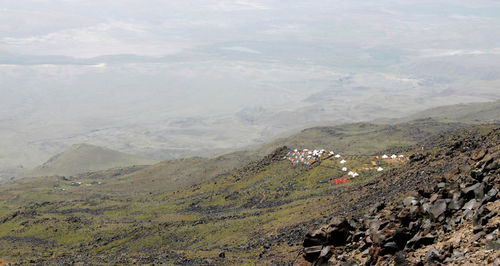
x,y
260,212
451,217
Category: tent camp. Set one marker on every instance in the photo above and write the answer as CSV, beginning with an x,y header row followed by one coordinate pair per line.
x,y
304,156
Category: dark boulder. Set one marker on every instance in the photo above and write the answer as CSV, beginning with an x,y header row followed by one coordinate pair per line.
x,y
389,248
418,240
475,191
477,175
491,195
492,165
472,204
401,237
438,209
338,231
315,238
324,256
311,253
456,202
432,255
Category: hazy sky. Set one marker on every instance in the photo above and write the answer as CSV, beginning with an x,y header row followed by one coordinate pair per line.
x,y
87,28
154,77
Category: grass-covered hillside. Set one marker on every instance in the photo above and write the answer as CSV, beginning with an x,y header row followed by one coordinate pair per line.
x,y
202,211
82,158
366,138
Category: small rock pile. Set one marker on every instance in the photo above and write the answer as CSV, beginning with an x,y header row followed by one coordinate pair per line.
x,y
455,220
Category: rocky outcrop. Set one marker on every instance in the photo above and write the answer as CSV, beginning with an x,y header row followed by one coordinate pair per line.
x,y
455,220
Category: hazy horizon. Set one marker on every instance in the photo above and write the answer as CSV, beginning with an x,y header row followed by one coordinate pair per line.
x,y
177,78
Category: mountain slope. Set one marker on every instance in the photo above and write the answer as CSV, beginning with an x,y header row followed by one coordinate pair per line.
x,y
450,216
178,174
347,139
256,214
365,138
81,158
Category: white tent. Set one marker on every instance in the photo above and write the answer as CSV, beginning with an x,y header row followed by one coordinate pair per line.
x,y
355,175
385,156
401,156
344,169
343,161
380,169
394,156
337,156
351,173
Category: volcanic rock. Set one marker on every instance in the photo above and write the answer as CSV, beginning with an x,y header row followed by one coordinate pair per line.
x,y
437,209
312,252
432,255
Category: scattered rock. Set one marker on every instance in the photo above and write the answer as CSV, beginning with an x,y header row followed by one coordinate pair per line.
x,y
408,201
478,155
397,232
475,191
314,238
419,241
472,204
432,255
312,252
390,248
438,209
456,202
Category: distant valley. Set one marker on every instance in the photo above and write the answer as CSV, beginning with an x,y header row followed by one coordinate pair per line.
x,y
184,119
84,157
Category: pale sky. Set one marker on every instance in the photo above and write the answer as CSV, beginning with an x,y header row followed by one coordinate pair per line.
x,y
89,28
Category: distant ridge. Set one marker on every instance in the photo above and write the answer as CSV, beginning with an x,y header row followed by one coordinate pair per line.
x,y
474,112
485,111
81,158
